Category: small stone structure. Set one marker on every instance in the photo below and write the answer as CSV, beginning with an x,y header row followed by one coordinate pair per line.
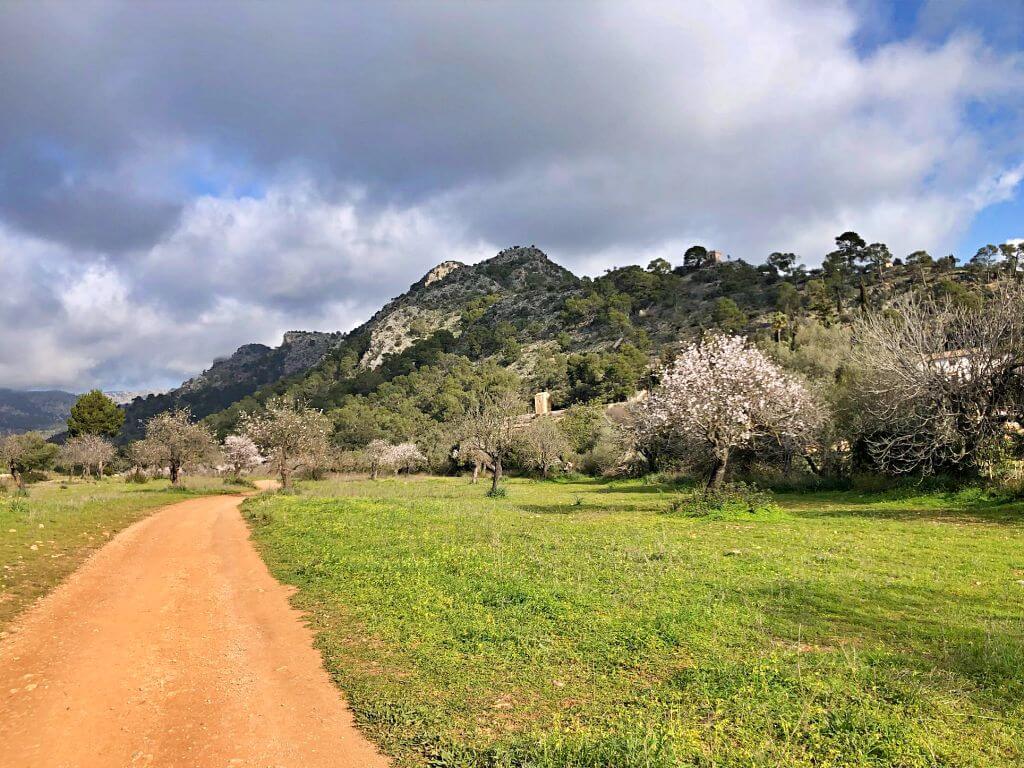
x,y
542,403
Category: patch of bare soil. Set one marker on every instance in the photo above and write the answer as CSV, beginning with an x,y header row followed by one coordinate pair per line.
x,y
172,646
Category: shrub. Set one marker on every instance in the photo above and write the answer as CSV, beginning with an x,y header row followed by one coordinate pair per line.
x,y
497,493
239,482
732,501
137,477
18,505
34,476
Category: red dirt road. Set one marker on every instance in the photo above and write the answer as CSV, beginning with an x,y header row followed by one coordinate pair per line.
x,y
172,646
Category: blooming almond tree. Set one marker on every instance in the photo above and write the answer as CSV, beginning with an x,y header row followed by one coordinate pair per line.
x,y
87,451
725,394
379,455
407,456
544,444
489,430
938,380
241,454
291,435
173,440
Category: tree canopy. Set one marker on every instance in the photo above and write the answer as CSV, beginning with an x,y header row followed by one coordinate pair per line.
x,y
95,414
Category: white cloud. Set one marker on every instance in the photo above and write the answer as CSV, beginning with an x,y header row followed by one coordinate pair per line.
x,y
609,133
232,272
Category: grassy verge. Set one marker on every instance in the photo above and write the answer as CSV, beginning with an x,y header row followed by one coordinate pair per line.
x,y
575,624
46,535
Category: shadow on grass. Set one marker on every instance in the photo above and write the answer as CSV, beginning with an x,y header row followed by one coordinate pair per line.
x,y
1002,514
646,489
588,508
916,621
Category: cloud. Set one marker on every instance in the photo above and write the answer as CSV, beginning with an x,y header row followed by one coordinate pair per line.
x,y
243,168
232,271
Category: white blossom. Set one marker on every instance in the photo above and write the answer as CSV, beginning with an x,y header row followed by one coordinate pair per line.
x,y
724,394
291,435
241,454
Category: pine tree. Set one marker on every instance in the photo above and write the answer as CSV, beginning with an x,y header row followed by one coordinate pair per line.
x,y
95,414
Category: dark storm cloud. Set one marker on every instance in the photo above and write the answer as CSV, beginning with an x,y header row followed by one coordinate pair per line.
x,y
42,197
654,111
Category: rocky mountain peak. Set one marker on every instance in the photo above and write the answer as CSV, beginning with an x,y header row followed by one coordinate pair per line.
x,y
441,271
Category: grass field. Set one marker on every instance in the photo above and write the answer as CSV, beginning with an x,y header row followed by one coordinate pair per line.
x,y
46,535
576,624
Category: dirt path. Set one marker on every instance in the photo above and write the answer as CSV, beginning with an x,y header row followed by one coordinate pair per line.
x,y
172,646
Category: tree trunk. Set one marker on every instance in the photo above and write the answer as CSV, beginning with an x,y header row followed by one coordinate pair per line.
x,y
476,472
718,474
286,475
374,471
497,473
100,468
811,464
175,468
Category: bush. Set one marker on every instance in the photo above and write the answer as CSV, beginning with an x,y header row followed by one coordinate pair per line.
x,y
497,493
311,473
733,501
34,476
240,482
137,477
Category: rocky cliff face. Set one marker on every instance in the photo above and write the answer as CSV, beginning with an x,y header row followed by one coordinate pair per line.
x,y
230,379
519,282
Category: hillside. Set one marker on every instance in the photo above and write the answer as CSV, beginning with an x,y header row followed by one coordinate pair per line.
x,y
22,411
583,339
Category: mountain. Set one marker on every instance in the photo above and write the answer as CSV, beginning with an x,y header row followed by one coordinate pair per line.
x,y
581,339
23,411
125,396
229,379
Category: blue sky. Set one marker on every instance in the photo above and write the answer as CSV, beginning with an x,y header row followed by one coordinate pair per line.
x,y
179,179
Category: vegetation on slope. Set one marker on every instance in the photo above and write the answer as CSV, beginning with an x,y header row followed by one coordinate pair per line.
x,y
597,340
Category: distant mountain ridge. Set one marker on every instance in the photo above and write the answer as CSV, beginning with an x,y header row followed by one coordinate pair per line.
x,y
25,411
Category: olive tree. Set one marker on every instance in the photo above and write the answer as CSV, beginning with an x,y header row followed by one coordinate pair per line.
x,y
721,395
489,429
26,452
937,380
291,435
174,441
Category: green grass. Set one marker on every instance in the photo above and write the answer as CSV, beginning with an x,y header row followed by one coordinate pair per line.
x,y
535,630
46,535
